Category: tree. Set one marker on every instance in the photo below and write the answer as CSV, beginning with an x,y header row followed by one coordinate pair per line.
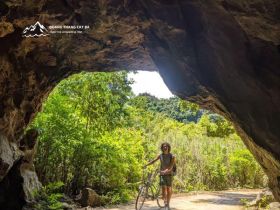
x,y
174,107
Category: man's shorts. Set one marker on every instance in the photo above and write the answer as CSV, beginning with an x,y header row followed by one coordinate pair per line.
x,y
166,180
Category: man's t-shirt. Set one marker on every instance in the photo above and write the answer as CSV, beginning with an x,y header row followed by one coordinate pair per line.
x,y
165,161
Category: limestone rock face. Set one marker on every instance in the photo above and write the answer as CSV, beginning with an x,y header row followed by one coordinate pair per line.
x,y
18,185
263,199
9,153
221,54
274,206
28,145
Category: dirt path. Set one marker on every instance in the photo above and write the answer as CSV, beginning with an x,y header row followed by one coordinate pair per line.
x,y
223,200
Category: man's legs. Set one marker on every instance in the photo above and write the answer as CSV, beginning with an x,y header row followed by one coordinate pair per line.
x,y
164,193
166,186
169,193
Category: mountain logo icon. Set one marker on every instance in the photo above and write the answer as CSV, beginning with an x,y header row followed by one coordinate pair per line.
x,y
35,30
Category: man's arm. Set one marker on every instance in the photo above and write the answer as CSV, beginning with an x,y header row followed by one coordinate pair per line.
x,y
151,162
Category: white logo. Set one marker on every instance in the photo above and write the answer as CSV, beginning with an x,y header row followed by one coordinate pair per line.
x,y
35,30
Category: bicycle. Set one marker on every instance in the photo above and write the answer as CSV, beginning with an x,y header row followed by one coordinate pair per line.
x,y
149,189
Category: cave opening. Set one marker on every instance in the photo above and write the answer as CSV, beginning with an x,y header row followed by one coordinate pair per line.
x,y
222,55
90,117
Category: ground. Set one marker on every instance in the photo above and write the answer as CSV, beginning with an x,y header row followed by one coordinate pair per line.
x,y
222,200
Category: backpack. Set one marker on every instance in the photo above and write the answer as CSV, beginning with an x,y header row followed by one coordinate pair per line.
x,y
174,169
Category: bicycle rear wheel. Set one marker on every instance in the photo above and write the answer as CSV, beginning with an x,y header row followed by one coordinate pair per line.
x,y
141,197
160,201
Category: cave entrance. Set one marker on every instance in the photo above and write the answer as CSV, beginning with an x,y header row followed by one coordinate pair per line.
x,y
97,132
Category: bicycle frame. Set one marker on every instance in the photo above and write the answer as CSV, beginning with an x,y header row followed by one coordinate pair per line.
x,y
150,177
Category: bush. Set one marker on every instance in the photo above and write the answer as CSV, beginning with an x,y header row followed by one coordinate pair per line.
x,y
48,197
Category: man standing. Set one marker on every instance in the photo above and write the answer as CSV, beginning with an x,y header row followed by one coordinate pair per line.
x,y
167,162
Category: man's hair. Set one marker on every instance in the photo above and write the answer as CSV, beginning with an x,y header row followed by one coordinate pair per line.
x,y
167,144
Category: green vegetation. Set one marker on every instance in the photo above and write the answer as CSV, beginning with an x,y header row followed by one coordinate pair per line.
x,y
48,197
95,133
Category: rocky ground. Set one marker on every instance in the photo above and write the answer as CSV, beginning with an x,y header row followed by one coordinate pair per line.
x,y
222,200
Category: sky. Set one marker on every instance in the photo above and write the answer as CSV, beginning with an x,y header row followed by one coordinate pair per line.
x,y
149,82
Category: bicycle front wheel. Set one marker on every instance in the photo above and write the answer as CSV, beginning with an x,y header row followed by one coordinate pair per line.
x,y
141,197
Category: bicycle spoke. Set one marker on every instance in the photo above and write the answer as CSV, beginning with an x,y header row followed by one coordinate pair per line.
x,y
152,192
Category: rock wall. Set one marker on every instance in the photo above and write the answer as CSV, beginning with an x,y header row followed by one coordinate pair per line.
x,y
225,56
221,54
18,185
